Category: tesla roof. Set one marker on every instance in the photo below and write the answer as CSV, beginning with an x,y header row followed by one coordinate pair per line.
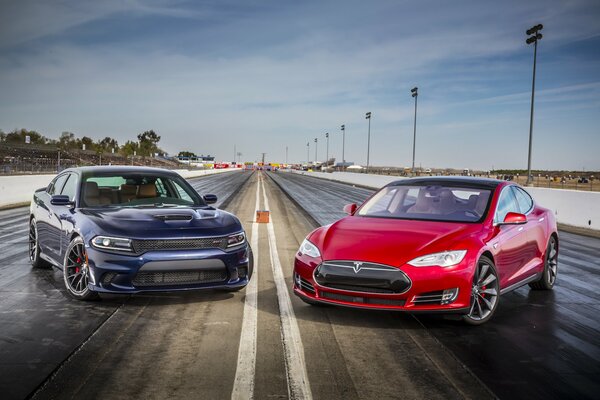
x,y
449,180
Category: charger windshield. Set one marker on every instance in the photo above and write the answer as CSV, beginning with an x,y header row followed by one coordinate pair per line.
x,y
137,190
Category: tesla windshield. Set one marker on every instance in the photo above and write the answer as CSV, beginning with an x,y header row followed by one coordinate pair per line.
x,y
137,190
432,202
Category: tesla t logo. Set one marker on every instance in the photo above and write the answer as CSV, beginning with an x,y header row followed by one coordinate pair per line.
x,y
357,267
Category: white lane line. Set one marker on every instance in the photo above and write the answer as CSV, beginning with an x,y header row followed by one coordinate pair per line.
x,y
243,385
297,378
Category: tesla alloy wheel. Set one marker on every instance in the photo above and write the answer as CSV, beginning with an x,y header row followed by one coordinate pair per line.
x,y
484,293
34,247
75,271
546,282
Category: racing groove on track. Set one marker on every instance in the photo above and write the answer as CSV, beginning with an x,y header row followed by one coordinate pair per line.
x,y
538,345
38,328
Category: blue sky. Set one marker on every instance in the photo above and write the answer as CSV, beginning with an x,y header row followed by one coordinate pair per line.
x,y
265,75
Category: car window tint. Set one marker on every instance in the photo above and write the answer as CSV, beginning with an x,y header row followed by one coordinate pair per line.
x,y
524,199
70,187
181,191
114,182
161,190
506,203
58,185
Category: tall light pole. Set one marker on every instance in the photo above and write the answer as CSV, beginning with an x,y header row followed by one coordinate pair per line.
x,y
343,128
534,38
368,116
307,154
286,155
327,152
316,147
415,94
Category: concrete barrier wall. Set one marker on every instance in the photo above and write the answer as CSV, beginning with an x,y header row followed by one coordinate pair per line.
x,y
18,189
571,207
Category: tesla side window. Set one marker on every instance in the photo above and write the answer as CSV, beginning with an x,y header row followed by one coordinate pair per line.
x,y
70,187
524,200
57,185
431,203
506,203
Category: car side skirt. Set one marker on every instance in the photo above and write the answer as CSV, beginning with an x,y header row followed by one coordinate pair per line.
x,y
521,283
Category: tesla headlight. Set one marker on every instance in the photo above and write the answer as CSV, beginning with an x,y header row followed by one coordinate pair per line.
x,y
309,249
443,259
236,240
112,243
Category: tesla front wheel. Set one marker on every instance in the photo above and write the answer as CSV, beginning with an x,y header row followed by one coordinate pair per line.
x,y
548,278
76,271
484,293
34,247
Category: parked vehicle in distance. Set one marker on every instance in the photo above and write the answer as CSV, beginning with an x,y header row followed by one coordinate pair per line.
x,y
433,244
131,229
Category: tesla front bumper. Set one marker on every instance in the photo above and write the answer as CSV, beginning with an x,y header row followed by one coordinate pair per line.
x,y
167,270
411,289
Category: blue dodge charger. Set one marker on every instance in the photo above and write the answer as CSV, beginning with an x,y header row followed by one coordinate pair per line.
x,y
131,229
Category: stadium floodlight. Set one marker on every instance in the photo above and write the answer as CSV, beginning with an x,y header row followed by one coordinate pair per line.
x,y
535,37
327,152
343,128
368,116
414,93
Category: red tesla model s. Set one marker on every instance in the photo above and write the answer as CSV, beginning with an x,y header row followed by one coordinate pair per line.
x,y
435,244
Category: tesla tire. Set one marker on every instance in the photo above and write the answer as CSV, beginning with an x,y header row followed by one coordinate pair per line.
x,y
548,278
76,271
485,293
34,247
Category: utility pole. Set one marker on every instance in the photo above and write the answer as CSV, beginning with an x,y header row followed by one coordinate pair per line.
x,y
536,36
58,163
368,116
263,158
343,128
316,148
415,94
307,154
327,152
286,155
234,154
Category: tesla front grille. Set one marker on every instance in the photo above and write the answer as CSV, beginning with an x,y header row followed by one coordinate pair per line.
x,y
362,300
362,277
142,246
176,278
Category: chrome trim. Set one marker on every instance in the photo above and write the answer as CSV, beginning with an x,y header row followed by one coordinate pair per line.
x,y
520,283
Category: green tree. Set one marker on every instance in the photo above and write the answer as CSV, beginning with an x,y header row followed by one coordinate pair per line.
x,y
67,141
2,136
87,141
107,144
186,154
18,136
129,147
148,142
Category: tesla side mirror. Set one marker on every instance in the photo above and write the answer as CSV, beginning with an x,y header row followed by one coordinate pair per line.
x,y
513,218
210,198
60,200
350,209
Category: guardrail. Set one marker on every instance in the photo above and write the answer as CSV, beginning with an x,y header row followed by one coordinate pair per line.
x,y
571,207
18,190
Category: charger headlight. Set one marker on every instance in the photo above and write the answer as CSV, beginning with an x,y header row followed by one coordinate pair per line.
x,y
443,259
236,240
309,249
112,243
